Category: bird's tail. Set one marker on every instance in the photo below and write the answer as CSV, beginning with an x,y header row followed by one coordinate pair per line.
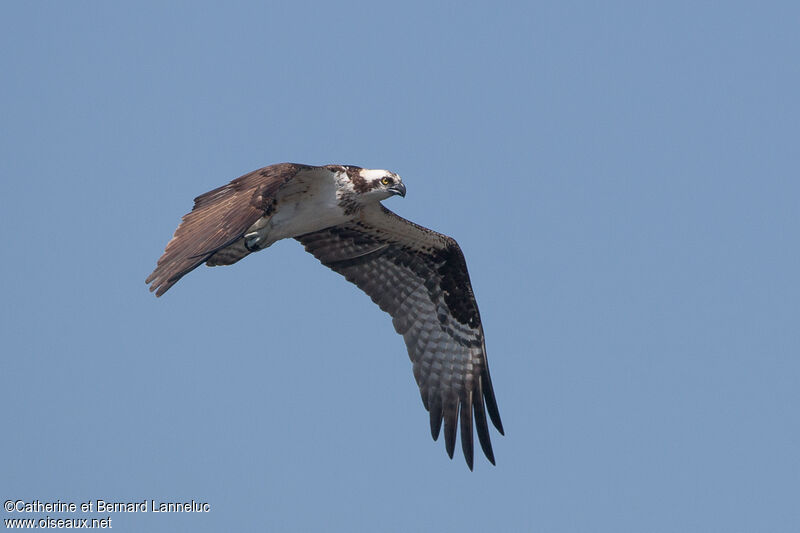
x,y
228,255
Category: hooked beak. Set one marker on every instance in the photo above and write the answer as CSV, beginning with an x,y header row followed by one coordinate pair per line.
x,y
399,188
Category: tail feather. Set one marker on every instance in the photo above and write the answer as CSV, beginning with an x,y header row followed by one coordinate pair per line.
x,y
228,255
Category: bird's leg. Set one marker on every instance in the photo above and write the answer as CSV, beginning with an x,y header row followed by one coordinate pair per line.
x,y
254,241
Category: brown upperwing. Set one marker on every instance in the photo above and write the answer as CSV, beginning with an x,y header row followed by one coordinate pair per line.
x,y
219,218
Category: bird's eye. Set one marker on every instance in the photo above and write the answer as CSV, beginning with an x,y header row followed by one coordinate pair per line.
x,y
386,180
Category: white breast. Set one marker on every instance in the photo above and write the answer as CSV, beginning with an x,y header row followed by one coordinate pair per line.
x,y
308,203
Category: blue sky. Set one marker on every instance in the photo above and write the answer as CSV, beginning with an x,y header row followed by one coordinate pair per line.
x,y
622,178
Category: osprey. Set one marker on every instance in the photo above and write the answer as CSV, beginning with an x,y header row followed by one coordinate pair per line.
x,y
416,275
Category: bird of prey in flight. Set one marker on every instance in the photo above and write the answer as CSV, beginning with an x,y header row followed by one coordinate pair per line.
x,y
415,274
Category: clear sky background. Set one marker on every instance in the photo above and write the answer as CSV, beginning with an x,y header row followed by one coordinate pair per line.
x,y
623,180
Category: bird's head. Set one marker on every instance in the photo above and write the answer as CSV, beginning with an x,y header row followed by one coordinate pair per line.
x,y
382,184
374,185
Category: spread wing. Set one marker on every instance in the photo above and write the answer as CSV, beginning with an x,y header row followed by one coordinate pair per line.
x,y
420,278
218,219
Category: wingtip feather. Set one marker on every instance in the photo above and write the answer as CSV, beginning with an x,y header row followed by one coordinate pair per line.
x,y
482,425
450,428
435,409
467,445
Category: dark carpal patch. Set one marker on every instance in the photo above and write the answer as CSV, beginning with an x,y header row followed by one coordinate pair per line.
x,y
456,287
